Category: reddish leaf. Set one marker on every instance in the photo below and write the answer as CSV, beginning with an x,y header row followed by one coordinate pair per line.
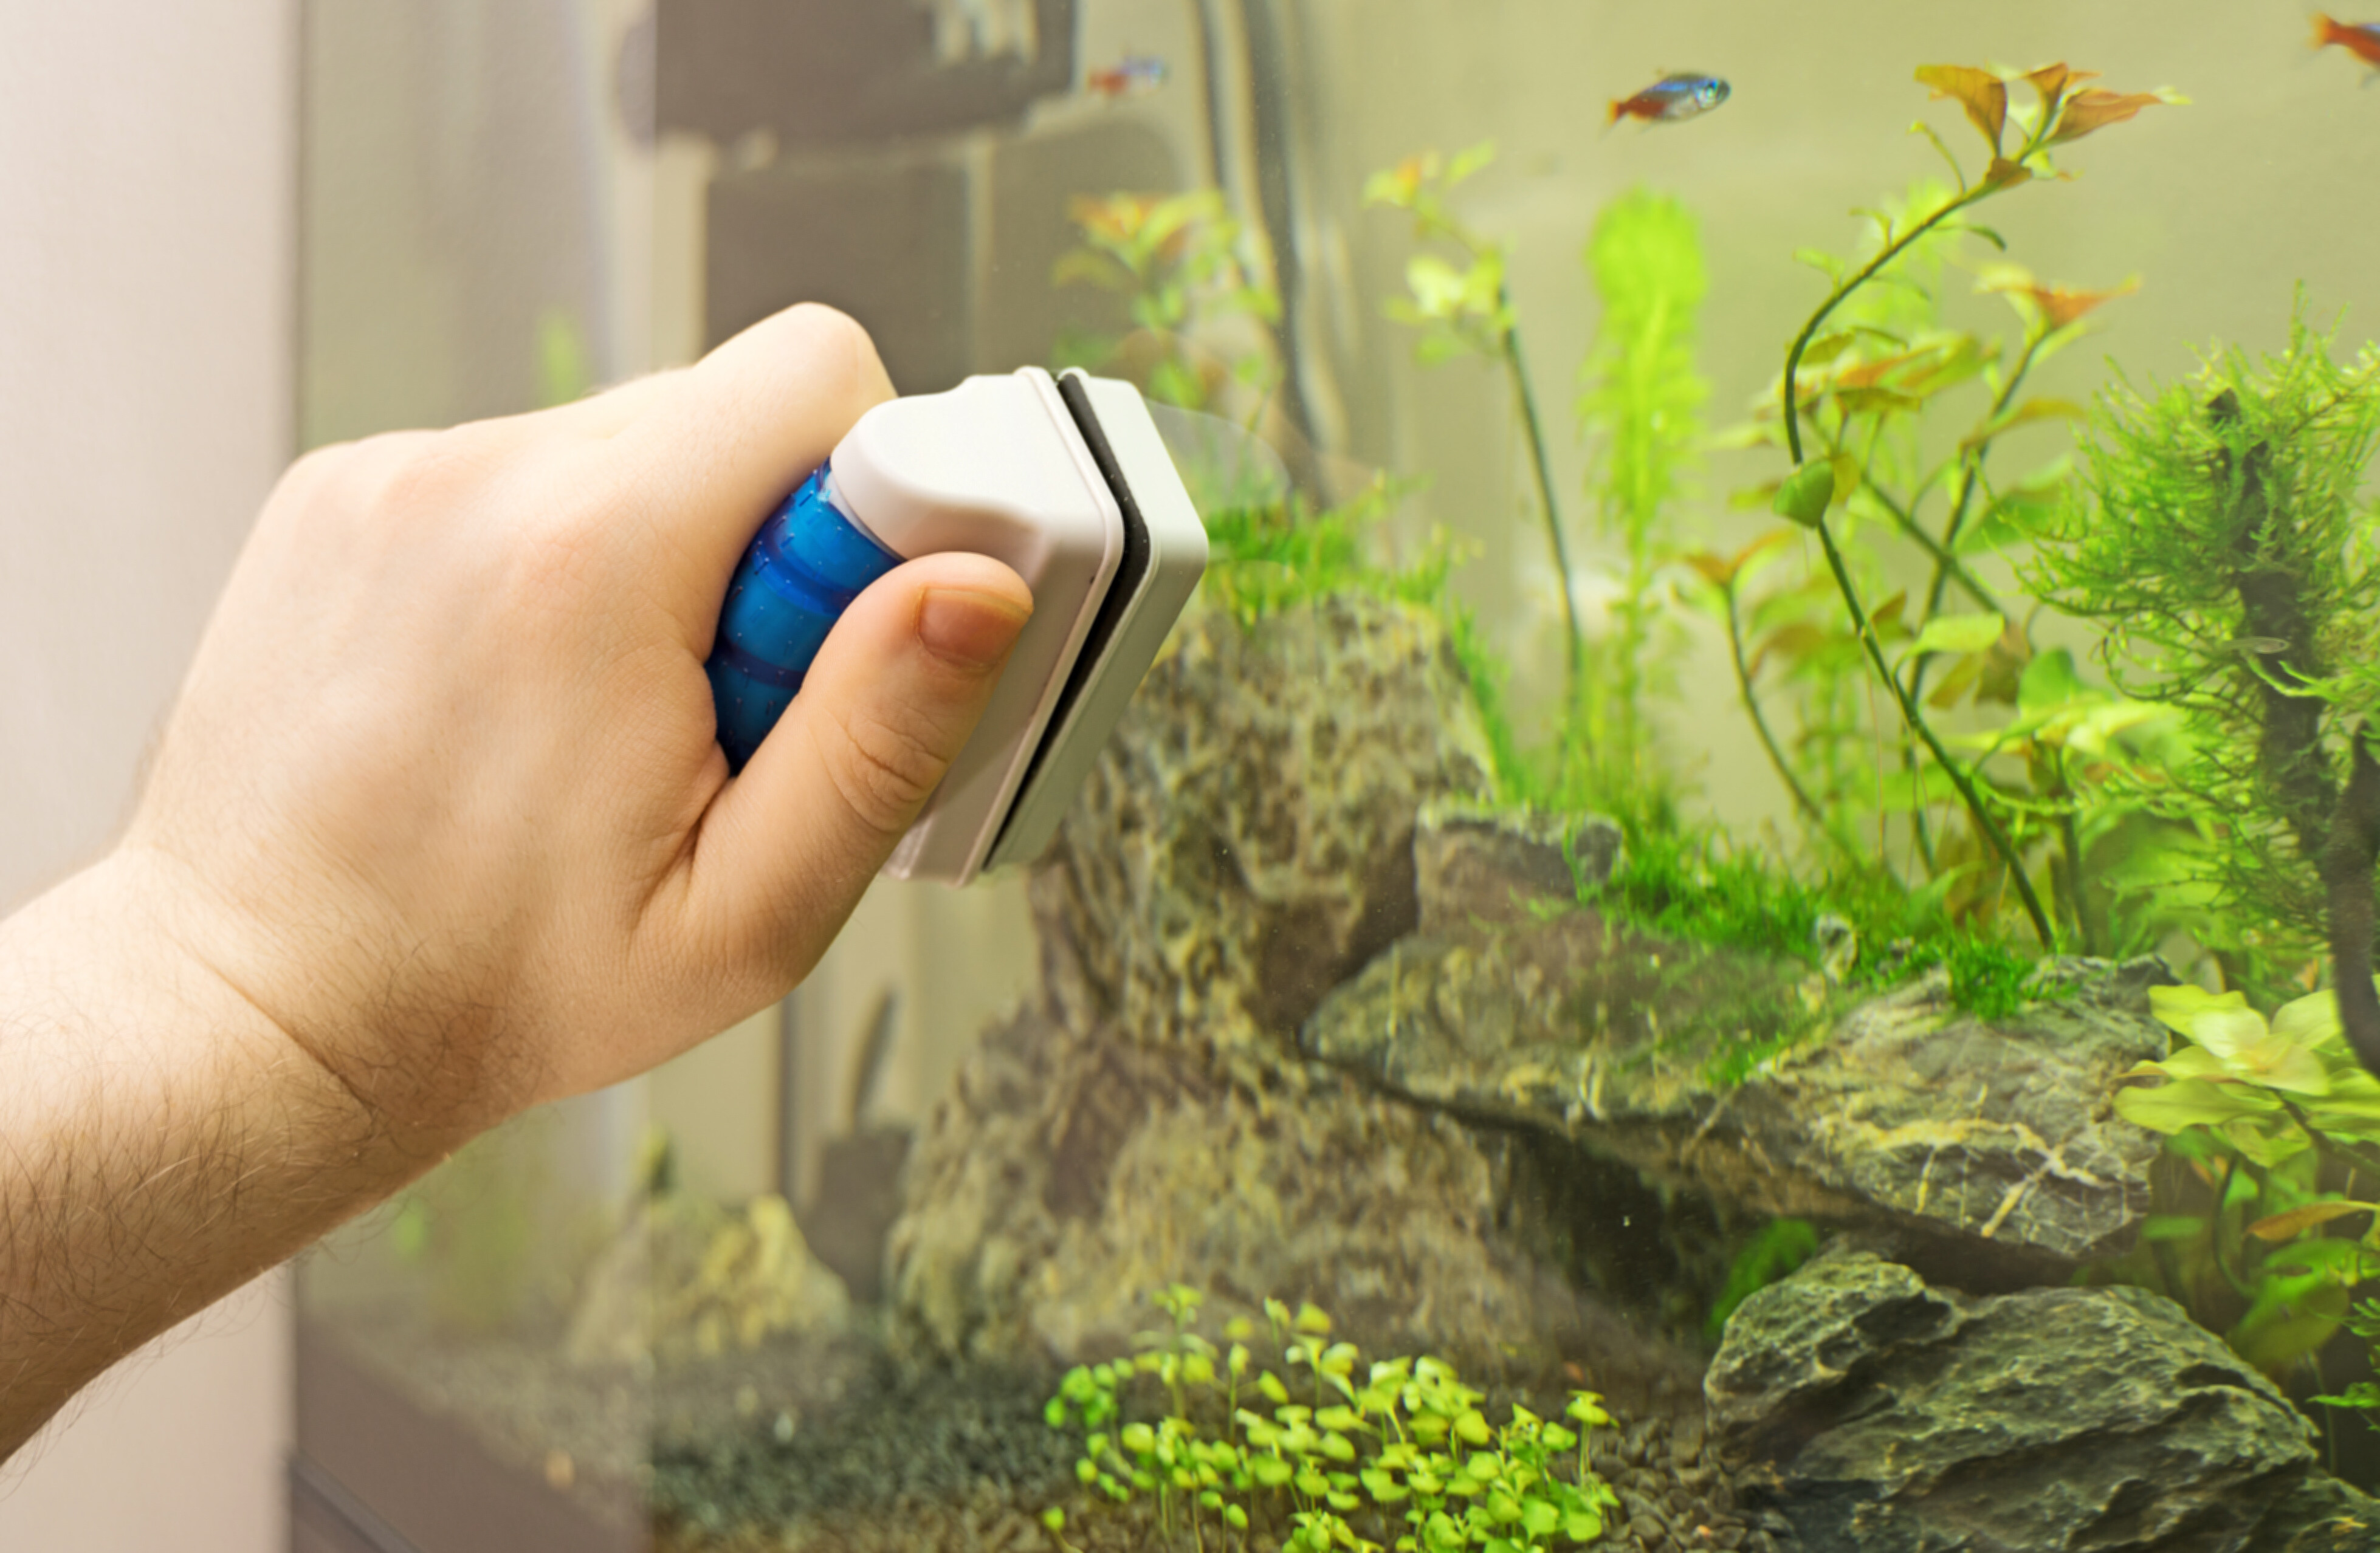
x,y
2051,81
1982,94
2062,305
2004,174
2290,1225
2092,110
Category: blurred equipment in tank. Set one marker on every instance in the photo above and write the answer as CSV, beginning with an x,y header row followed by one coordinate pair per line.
x,y
850,72
858,1193
1135,75
1065,479
2360,38
1672,99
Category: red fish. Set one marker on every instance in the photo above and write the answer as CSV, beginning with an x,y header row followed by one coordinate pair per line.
x,y
1680,96
1133,76
2361,39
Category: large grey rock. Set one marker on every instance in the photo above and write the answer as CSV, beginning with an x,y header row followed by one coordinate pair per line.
x,y
1993,1142
1879,1414
1245,842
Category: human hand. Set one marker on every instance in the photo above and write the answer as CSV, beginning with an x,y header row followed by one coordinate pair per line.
x,y
441,799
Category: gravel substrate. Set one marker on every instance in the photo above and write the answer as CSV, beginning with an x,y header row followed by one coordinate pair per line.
x,y
835,1450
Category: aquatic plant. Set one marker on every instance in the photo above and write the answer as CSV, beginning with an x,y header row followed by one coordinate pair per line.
x,y
1189,272
1340,1461
2063,110
2271,1124
1465,307
1639,405
2221,539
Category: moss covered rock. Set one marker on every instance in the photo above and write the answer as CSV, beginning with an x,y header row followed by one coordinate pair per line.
x,y
1989,1143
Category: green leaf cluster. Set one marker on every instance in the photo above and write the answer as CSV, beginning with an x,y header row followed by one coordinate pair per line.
x,y
1188,269
1328,1450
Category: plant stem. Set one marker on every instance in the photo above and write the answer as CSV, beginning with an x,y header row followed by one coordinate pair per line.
x,y
1516,367
1867,272
1801,799
2339,1150
1946,566
1918,726
1971,471
1909,714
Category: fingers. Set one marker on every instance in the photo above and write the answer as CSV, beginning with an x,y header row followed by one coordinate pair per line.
x,y
712,450
789,846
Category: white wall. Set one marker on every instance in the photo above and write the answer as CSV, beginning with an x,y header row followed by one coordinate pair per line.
x,y
145,282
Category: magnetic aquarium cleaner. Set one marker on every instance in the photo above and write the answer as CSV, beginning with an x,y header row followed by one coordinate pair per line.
x,y
1063,478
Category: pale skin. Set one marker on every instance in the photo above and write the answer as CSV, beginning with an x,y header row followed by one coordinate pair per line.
x,y
438,831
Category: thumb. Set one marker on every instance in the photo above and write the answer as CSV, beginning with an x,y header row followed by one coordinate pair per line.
x,y
791,844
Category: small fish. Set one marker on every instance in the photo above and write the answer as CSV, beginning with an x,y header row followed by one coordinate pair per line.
x,y
1672,99
2361,39
1135,75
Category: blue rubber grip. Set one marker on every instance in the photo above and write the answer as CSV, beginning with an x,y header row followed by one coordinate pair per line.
x,y
804,569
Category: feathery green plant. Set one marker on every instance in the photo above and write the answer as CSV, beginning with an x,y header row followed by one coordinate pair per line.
x,y
1639,405
2222,541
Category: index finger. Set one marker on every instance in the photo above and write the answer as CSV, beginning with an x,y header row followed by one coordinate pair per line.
x,y
721,444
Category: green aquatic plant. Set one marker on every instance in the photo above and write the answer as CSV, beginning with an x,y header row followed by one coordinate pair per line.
x,y
1264,557
1322,1450
1873,393
1189,273
2273,1138
2063,110
1639,406
1464,306
2222,541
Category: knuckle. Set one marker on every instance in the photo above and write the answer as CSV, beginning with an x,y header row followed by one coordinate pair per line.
x,y
884,768
844,346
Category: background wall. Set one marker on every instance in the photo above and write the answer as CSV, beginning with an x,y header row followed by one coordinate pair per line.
x,y
146,154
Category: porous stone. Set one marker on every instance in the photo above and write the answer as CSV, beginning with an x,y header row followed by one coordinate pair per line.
x,y
687,1277
1993,1142
1478,863
1245,843
1873,1412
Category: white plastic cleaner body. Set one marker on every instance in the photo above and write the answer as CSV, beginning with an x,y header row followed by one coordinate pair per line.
x,y
997,468
1130,639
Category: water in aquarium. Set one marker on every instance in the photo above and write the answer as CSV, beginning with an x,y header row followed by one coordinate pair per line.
x,y
1741,917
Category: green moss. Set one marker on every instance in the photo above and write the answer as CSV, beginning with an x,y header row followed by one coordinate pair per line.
x,y
1775,1250
1696,885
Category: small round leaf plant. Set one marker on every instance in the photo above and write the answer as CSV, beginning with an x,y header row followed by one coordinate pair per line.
x,y
1324,1450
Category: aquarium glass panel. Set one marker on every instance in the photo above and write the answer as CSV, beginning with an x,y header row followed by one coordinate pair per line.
x,y
1741,917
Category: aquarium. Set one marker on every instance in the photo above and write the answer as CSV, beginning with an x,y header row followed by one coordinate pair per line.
x,y
1741,916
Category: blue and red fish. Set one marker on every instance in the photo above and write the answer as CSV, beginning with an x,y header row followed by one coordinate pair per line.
x,y
2362,39
1673,99
1135,75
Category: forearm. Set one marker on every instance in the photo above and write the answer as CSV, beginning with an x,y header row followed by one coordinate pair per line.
x,y
160,1141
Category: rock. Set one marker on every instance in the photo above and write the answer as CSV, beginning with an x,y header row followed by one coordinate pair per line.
x,y
1071,1174
1245,839
1876,1412
1245,843
1473,862
2323,1516
1990,1145
690,1277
